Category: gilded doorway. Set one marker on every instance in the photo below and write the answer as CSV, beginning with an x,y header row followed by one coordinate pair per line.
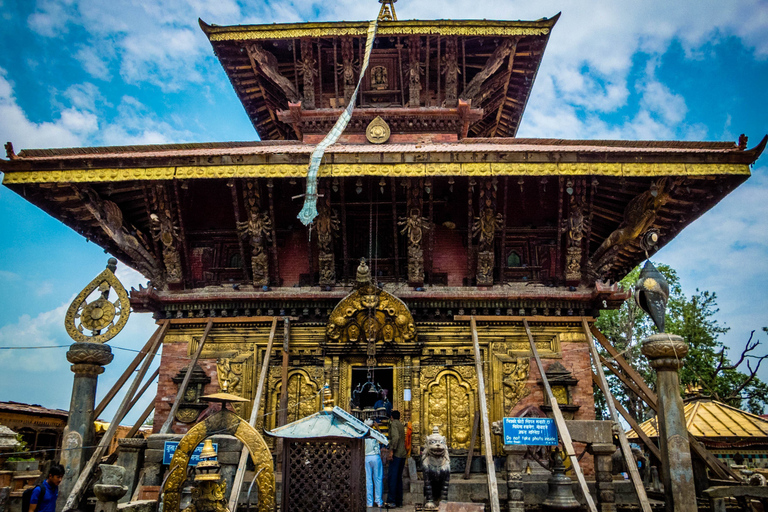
x,y
449,403
303,394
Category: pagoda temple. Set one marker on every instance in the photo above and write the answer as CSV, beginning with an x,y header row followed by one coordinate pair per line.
x,y
453,215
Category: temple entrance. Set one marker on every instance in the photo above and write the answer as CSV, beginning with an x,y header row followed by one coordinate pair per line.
x,y
363,393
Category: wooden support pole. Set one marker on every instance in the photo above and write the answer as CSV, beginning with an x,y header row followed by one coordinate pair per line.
x,y
562,429
473,441
79,487
143,389
632,423
141,420
629,383
234,495
493,489
283,416
629,459
166,428
124,377
717,467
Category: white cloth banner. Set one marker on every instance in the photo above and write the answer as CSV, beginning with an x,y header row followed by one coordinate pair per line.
x,y
309,211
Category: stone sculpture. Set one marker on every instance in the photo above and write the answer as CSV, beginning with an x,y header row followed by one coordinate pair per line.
x,y
437,470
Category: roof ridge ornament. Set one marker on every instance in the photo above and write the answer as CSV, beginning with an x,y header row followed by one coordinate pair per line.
x,y
387,11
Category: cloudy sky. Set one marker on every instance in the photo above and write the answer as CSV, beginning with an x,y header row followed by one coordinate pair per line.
x,y
89,72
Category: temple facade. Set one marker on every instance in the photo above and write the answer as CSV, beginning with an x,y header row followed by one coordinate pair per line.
x,y
454,216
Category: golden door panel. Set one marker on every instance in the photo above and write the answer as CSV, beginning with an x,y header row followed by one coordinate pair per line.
x,y
303,395
449,404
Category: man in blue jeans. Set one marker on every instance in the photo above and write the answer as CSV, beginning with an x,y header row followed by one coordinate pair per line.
x,y
47,502
398,454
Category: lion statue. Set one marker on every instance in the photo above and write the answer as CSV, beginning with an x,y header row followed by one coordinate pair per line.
x,y
437,470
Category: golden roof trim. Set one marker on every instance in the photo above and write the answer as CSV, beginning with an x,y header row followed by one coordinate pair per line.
x,y
385,28
388,170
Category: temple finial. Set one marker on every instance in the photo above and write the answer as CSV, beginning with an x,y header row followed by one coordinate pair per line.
x,y
387,11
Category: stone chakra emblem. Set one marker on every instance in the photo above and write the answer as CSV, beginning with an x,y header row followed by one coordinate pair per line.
x,y
377,131
100,314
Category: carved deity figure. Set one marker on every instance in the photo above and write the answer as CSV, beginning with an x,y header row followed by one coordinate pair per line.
x,y
226,374
415,71
437,470
451,71
414,226
257,230
327,224
575,228
639,216
165,231
308,68
347,68
515,382
485,228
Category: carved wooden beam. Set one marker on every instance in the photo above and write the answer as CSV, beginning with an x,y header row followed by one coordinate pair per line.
x,y
414,71
491,66
263,62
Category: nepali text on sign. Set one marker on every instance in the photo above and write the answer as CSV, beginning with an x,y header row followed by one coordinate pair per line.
x,y
170,449
530,431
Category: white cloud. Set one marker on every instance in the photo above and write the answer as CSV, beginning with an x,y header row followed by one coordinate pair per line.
x,y
42,330
70,129
9,276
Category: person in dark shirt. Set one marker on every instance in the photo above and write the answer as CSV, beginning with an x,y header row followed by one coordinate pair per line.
x,y
397,456
47,503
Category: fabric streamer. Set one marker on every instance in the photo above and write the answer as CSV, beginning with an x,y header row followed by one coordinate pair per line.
x,y
309,211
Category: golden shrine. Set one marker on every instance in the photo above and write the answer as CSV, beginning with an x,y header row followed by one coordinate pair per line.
x,y
454,215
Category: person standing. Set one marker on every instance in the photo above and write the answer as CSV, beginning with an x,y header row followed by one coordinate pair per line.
x,y
374,469
44,496
398,454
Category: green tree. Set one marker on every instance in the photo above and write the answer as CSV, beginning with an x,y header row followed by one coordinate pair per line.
x,y
707,365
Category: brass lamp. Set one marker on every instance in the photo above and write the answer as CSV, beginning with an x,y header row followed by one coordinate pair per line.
x,y
208,468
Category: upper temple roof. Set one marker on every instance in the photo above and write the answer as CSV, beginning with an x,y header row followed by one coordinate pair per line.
x,y
293,78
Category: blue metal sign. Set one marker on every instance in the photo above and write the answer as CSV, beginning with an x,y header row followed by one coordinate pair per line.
x,y
530,431
170,449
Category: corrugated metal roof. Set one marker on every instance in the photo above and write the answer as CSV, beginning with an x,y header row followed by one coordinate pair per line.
x,y
334,423
711,419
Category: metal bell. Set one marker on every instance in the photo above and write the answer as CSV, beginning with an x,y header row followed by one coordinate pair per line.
x,y
560,496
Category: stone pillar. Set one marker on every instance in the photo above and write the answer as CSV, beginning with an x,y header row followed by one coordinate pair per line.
x,y
666,352
88,360
606,495
131,457
515,468
110,488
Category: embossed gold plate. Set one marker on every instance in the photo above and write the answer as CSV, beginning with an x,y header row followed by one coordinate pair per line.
x,y
378,131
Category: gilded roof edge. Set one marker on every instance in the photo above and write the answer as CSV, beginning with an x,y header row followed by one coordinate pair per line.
x,y
385,28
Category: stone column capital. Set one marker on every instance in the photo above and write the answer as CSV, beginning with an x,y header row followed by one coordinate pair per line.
x,y
89,358
132,444
604,449
665,351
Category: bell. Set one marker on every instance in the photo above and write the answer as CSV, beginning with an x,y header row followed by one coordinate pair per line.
x,y
560,496
208,451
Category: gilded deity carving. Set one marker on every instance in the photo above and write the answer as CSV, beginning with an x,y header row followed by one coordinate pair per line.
x,y
370,313
236,370
303,393
257,230
379,79
515,381
414,226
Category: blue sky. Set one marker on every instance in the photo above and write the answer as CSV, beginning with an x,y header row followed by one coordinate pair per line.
x,y
88,72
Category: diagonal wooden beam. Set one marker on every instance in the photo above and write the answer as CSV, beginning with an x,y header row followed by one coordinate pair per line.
x,y
493,489
126,374
632,423
629,459
562,428
234,496
183,387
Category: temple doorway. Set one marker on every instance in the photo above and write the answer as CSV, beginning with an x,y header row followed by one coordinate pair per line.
x,y
364,393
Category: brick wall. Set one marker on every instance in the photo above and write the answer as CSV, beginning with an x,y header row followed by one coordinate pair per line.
x,y
173,359
575,359
293,257
450,255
